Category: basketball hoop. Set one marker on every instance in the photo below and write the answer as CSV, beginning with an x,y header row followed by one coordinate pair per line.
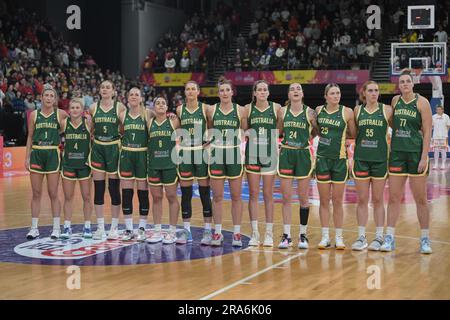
x,y
416,74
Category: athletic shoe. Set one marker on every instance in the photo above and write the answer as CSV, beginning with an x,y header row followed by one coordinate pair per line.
x,y
67,232
254,241
443,167
207,237
237,242
141,237
435,167
33,234
56,233
184,237
128,235
156,237
388,244
285,242
99,234
324,244
217,239
376,244
169,238
425,245
360,244
303,242
113,234
87,233
339,244
268,240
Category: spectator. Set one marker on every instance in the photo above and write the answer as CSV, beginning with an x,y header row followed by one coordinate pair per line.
x,y
313,48
441,35
184,63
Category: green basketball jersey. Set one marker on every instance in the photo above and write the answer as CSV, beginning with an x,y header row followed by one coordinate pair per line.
x,y
406,132
333,129
296,128
228,124
195,123
135,134
77,145
106,124
161,145
263,122
46,132
371,142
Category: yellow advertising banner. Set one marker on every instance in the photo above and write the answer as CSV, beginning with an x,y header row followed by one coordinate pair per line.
x,y
171,79
387,88
300,76
209,92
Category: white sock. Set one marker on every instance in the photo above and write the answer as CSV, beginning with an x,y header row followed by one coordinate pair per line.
x,y
425,233
129,224
303,229
218,229
237,229
379,232
361,231
34,223
114,223
436,157
142,223
255,225
158,227
269,227
326,233
444,157
390,231
208,226
338,232
101,223
87,224
287,230
56,223
173,229
67,223
187,226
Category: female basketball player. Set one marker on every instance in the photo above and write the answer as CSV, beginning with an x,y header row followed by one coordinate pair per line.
x,y
133,163
336,123
193,161
226,162
411,135
370,162
43,160
104,157
162,171
77,147
261,156
298,126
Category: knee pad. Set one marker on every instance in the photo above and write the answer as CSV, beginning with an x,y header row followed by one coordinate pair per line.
x,y
127,201
186,205
304,215
144,203
205,196
114,191
99,192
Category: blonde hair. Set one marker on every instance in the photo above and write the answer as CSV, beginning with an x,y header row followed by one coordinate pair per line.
x,y
362,97
49,87
77,100
141,105
194,82
288,101
331,85
112,85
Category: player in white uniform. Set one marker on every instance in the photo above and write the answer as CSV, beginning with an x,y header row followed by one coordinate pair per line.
x,y
441,125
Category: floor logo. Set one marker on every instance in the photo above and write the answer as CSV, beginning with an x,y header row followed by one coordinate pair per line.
x,y
89,252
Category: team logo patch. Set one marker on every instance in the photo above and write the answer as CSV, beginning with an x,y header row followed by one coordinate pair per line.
x,y
88,252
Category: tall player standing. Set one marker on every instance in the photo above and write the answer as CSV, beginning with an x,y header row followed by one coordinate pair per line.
x,y
104,157
43,159
411,137
261,155
193,161
226,161
336,124
370,162
298,126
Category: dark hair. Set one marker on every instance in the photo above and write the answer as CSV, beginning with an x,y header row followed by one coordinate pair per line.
x,y
255,85
222,80
194,82
407,72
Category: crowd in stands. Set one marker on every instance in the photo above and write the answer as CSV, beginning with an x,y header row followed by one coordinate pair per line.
x,y
202,41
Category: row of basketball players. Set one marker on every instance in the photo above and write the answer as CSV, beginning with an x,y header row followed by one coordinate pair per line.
x,y
132,147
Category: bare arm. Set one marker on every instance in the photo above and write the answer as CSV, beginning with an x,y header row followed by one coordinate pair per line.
x,y
244,111
312,115
425,110
351,127
31,127
393,103
280,118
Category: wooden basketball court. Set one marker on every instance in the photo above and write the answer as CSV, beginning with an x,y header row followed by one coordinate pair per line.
x,y
262,273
